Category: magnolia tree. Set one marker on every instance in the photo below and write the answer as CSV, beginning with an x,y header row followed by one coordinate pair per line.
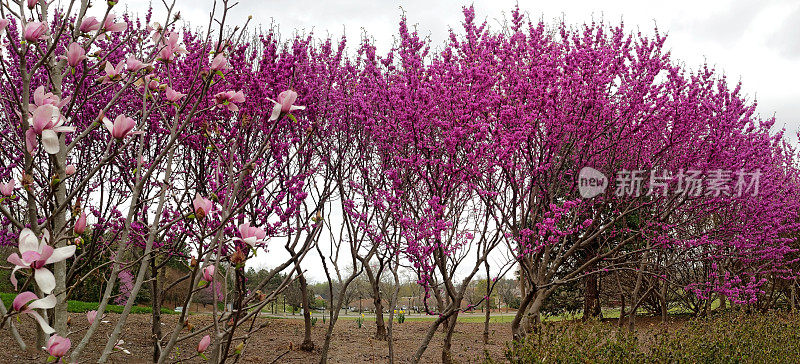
x,y
131,144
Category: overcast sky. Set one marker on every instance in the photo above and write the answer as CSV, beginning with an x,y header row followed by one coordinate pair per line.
x,y
757,42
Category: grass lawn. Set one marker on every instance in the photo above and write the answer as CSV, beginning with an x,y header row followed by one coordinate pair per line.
x,y
79,306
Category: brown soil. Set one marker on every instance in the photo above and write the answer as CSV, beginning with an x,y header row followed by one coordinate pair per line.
x,y
278,342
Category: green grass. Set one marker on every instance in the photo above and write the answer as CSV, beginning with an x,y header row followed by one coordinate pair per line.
x,y
79,306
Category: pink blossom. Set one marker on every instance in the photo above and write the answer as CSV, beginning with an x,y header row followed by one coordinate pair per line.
x,y
170,47
47,121
172,95
251,235
91,316
121,127
285,104
204,343
202,206
35,31
135,65
32,3
220,63
69,169
3,24
229,99
113,73
22,304
75,54
80,224
58,346
89,24
35,254
7,189
208,273
111,27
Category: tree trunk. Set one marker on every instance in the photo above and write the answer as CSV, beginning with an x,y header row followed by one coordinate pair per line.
x,y
380,324
155,297
307,344
591,297
488,305
447,354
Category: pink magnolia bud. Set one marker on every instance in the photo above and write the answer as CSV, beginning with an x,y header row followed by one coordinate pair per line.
x,y
204,343
80,224
3,24
75,54
35,31
58,346
91,316
70,169
32,3
202,206
208,273
172,95
7,189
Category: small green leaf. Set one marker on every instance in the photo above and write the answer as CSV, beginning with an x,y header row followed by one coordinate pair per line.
x,y
292,117
51,359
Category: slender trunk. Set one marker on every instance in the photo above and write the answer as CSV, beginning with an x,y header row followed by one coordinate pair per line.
x,y
447,354
488,305
635,294
622,310
393,306
155,297
380,324
663,297
307,344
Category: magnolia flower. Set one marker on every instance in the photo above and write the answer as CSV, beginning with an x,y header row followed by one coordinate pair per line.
x,y
172,95
7,189
80,224
135,65
69,169
284,104
41,98
121,127
75,54
228,99
208,273
204,343
58,346
111,27
47,121
91,316
251,235
32,3
220,63
3,24
35,254
113,73
22,304
35,31
170,47
89,24
202,206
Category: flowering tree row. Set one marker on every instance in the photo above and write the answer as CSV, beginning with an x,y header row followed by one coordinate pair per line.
x,y
131,144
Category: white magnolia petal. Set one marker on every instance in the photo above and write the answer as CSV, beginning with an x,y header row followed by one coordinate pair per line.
x,y
64,129
276,112
62,253
28,241
42,322
48,301
45,279
294,107
109,125
50,141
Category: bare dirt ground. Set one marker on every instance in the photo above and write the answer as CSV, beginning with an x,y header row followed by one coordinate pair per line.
x,y
276,343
